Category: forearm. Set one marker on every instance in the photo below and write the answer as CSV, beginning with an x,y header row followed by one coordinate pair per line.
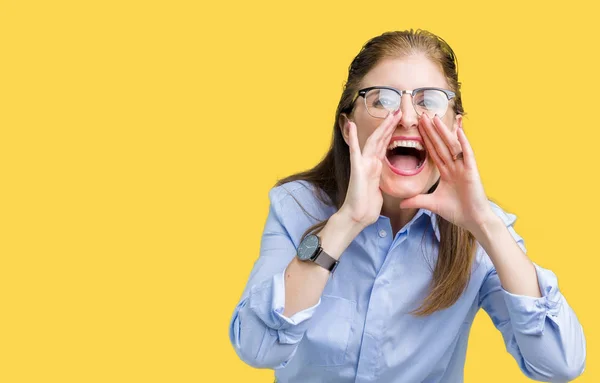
x,y
556,353
515,270
305,281
539,328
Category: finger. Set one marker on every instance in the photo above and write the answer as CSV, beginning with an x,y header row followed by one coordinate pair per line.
x,y
468,155
373,140
440,146
387,136
426,201
354,146
431,149
449,139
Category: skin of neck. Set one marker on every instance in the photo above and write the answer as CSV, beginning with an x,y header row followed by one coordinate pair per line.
x,y
398,217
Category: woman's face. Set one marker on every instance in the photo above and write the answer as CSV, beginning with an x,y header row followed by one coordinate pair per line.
x,y
410,72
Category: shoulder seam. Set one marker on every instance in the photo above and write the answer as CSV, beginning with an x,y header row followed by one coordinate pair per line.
x,y
298,185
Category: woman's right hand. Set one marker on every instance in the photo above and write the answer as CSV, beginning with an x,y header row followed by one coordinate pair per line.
x,y
363,199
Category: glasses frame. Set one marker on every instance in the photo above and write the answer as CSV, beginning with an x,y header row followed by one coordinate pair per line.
x,y
362,92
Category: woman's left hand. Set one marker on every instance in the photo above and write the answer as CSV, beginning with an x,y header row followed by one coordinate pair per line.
x,y
459,196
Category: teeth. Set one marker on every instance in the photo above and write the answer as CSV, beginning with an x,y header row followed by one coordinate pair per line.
x,y
407,144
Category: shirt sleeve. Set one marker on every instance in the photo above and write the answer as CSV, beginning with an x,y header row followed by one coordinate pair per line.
x,y
261,335
542,334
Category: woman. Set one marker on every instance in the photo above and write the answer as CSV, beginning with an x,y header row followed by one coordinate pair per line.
x,y
374,263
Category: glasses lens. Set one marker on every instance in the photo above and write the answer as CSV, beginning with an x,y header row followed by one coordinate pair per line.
x,y
431,102
381,101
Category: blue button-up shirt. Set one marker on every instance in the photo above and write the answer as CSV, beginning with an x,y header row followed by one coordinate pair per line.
x,y
360,330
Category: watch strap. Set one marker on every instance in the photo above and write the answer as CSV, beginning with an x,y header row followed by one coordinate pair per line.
x,y
325,260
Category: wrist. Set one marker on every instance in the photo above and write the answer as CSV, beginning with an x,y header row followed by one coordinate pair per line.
x,y
338,233
487,228
346,220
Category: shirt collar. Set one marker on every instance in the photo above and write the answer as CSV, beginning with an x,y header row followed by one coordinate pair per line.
x,y
433,220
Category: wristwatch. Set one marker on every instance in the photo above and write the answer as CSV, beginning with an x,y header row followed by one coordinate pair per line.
x,y
310,250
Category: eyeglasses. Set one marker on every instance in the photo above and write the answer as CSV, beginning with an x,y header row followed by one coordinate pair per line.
x,y
380,100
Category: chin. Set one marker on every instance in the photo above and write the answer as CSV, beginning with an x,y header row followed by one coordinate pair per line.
x,y
403,187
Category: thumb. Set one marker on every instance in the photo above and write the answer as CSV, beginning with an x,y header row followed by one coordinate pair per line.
x,y
419,201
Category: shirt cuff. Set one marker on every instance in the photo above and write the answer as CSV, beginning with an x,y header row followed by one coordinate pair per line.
x,y
267,301
528,314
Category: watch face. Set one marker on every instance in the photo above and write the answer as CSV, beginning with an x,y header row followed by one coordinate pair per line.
x,y
308,247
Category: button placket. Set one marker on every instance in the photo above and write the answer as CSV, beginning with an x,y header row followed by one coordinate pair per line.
x,y
383,231
376,315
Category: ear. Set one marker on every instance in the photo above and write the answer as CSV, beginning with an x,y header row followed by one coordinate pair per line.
x,y
343,125
458,122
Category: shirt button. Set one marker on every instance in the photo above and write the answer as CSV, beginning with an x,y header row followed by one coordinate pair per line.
x,y
382,233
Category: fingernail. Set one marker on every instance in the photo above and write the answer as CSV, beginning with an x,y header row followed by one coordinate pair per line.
x,y
397,112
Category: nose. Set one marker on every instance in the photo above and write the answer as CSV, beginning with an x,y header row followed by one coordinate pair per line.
x,y
410,118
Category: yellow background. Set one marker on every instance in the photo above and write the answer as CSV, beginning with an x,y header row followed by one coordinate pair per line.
x,y
139,140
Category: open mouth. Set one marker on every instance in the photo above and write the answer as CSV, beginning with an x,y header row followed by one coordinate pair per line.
x,y
406,157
